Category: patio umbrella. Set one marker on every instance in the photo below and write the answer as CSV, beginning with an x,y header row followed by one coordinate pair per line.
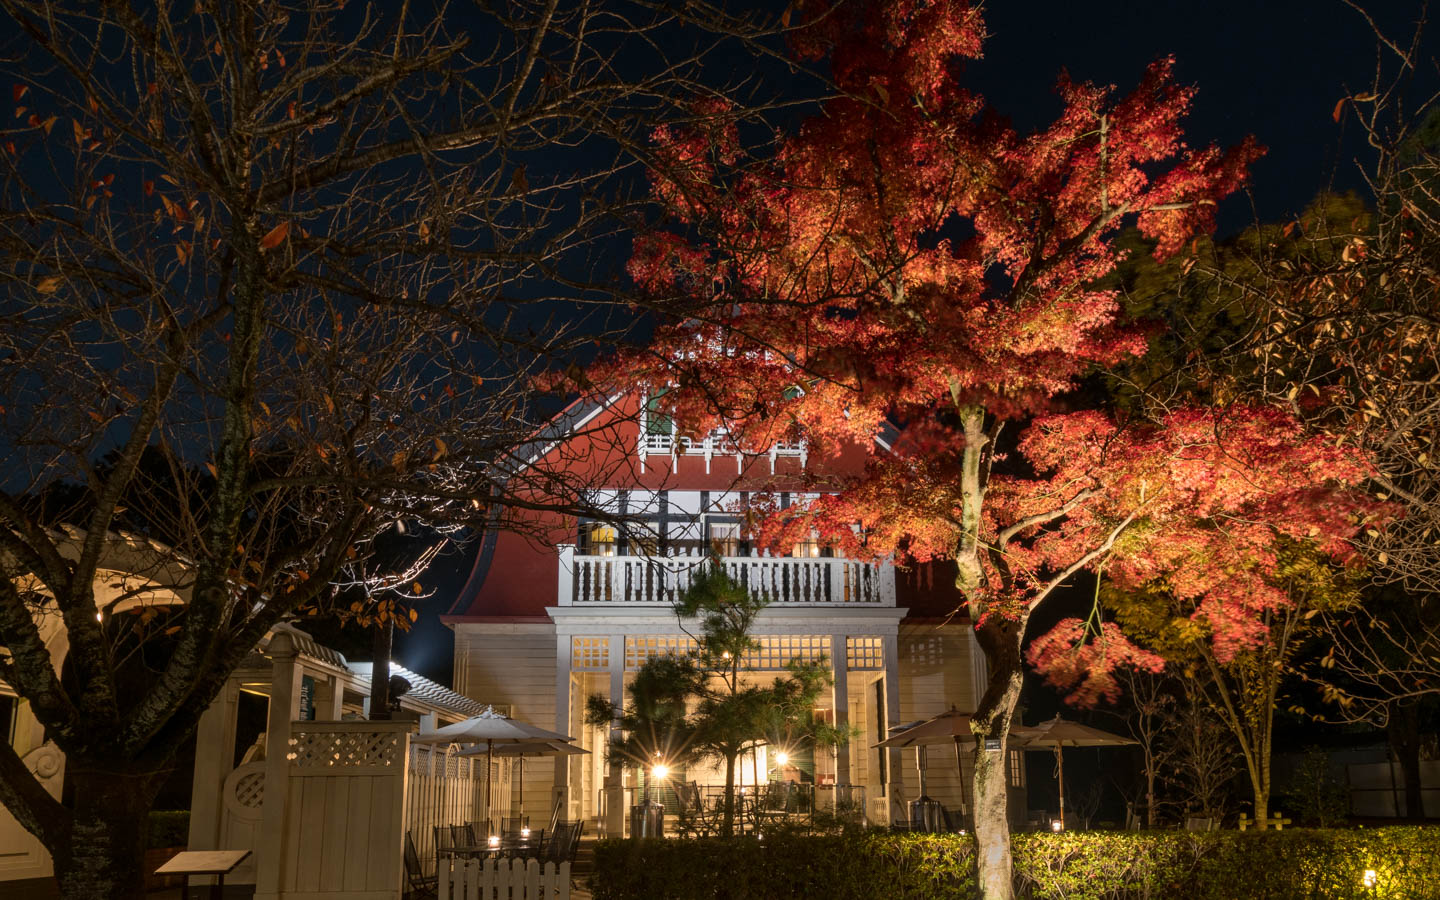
x,y
520,751
490,729
1060,733
950,727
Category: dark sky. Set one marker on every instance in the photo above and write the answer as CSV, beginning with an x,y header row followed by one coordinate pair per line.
x,y
1271,68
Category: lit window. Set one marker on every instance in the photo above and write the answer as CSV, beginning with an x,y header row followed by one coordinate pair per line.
x,y
725,539
597,540
589,653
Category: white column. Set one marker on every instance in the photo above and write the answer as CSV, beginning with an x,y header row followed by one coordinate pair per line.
x,y
614,823
284,706
331,708
891,716
214,755
565,589
562,719
840,700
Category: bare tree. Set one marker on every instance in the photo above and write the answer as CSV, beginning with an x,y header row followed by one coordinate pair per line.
x,y
1148,716
1201,764
278,276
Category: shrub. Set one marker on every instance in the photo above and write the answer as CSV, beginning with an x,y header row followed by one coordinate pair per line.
x,y
168,828
1298,864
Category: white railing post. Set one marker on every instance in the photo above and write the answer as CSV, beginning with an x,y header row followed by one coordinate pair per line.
x,y
886,586
566,585
816,581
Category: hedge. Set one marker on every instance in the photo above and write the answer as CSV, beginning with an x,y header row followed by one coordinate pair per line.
x,y
1296,864
168,828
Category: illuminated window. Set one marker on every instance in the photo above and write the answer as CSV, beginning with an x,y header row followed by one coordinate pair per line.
x,y
1017,768
589,653
597,540
725,539
810,547
639,649
864,653
776,651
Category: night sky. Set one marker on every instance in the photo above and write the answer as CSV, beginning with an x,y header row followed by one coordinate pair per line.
x,y
1271,68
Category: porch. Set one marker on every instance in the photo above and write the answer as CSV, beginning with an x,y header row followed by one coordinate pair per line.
x,y
594,656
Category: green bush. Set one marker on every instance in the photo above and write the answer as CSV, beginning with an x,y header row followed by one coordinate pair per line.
x,y
168,828
1297,864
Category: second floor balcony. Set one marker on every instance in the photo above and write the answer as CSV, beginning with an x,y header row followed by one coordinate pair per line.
x,y
789,581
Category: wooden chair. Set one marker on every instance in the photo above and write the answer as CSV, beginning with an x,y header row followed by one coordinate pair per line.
x,y
418,883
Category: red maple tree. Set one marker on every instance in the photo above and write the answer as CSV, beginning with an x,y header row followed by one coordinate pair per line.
x,y
909,256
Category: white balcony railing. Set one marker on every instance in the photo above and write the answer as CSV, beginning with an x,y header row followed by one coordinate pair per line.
x,y
780,580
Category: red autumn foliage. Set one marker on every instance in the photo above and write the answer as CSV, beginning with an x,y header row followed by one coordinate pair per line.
x,y
910,256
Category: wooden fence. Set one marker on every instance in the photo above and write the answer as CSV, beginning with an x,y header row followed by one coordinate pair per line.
x,y
330,823
448,789
504,879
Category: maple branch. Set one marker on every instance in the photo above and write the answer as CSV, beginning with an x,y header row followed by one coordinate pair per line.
x,y
1083,561
1011,531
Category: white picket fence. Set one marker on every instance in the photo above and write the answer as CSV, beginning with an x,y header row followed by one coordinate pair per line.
x,y
505,879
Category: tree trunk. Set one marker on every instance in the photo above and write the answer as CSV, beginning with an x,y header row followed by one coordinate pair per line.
x,y
1000,639
1261,788
102,857
1150,793
380,671
727,825
1403,732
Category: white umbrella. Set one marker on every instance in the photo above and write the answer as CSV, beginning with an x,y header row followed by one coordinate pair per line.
x,y
952,726
491,729
538,748
1060,733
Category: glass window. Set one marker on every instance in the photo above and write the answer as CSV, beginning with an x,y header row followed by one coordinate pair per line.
x,y
597,540
727,539
655,421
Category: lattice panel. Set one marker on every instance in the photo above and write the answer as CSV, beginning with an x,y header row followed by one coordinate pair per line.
x,y
250,790
639,649
589,653
777,650
345,749
864,653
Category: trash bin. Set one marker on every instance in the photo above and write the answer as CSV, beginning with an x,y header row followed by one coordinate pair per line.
x,y
647,819
926,815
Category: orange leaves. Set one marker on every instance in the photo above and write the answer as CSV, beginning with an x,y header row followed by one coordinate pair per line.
x,y
18,92
49,284
1339,109
275,236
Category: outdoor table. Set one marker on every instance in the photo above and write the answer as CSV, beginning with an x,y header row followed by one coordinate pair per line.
x,y
466,852
203,862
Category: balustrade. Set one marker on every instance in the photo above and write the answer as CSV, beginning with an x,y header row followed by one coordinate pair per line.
x,y
779,580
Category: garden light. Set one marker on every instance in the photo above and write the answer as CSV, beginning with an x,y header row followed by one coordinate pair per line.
x,y
1057,826
494,841
660,771
525,831
1369,878
782,758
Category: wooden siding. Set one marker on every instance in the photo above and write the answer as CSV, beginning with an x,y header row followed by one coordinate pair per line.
x,y
935,673
515,665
